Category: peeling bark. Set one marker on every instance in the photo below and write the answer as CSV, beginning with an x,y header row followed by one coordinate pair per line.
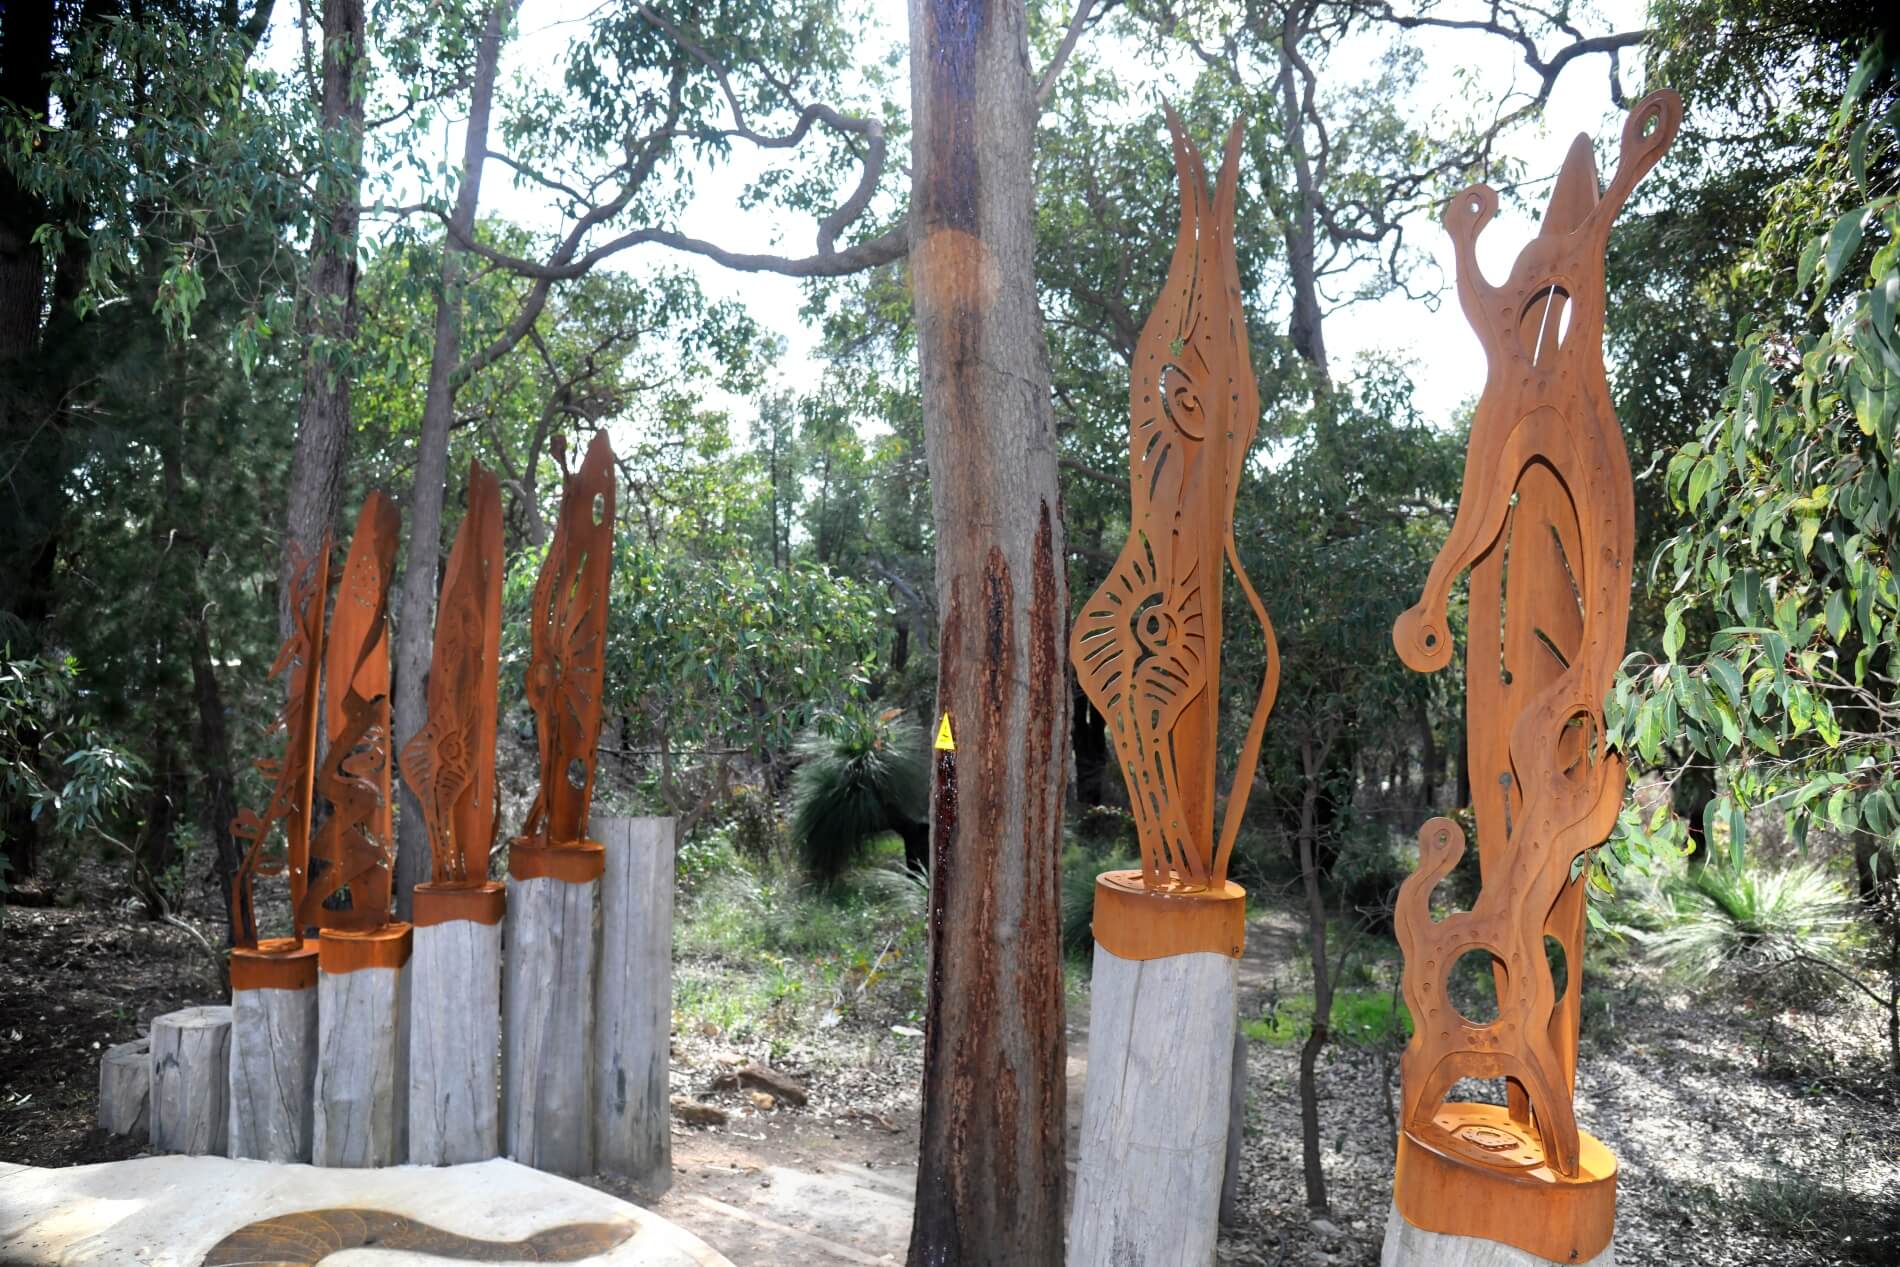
x,y
991,1174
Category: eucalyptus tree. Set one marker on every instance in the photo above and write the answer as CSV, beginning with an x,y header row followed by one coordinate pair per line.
x,y
147,182
646,92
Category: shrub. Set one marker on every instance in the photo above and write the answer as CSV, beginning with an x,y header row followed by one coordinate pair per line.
x,y
1792,927
861,776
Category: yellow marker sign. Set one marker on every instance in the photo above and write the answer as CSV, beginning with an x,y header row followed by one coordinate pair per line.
x,y
945,741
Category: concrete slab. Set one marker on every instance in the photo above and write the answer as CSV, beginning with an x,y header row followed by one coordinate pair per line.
x,y
205,1211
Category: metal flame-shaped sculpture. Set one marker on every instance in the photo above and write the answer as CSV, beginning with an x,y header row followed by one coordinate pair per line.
x,y
352,853
1546,527
568,646
450,763
291,775
1146,645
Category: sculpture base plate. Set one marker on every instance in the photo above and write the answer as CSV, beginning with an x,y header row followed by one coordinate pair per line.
x,y
1477,1173
1133,921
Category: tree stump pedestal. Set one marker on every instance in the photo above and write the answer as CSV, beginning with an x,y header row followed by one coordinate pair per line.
x,y
273,1050
191,1074
1408,1246
633,1003
361,1114
1161,1049
547,1031
455,1024
125,1088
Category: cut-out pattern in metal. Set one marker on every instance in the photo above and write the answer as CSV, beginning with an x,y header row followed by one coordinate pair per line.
x,y
291,774
1546,528
350,869
568,645
1147,644
450,763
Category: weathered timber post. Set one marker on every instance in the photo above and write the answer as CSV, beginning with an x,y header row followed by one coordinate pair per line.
x,y
633,1010
362,1085
449,763
125,1088
547,1030
273,1050
1146,647
191,1071
455,1024
1547,482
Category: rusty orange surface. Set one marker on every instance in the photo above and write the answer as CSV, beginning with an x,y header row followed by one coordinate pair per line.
x,y
1146,645
291,774
568,645
450,762
352,855
1546,529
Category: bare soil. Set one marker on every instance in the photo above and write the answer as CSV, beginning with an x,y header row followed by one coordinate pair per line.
x,y
1745,1135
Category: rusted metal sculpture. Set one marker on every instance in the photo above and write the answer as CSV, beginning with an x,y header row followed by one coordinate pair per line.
x,y
568,644
1546,527
1146,648
291,775
1146,645
450,763
350,869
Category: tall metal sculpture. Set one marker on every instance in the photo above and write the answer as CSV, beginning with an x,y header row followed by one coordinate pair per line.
x,y
1146,648
450,763
1546,527
1146,645
568,645
291,775
352,854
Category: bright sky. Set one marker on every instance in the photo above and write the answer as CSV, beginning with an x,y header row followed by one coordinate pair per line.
x,y
1446,363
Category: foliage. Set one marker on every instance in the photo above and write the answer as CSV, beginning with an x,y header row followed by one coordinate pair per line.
x,y
51,759
861,775
1790,505
1360,1018
1752,925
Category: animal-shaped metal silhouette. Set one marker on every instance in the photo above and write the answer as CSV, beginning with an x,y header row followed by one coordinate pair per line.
x,y
291,775
568,645
1546,527
352,853
1147,644
450,763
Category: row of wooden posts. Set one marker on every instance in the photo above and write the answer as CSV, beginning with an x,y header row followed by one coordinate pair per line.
x,y
535,1027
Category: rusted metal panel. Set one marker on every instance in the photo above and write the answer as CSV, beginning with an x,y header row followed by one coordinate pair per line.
x,y
568,644
291,774
351,857
450,763
1546,528
1147,643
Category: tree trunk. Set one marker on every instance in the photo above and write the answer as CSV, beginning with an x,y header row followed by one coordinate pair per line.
x,y
328,315
415,613
990,1173
211,753
1312,770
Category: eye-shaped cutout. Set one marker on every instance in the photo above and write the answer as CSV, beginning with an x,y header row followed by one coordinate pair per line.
x,y
600,508
1578,745
1545,323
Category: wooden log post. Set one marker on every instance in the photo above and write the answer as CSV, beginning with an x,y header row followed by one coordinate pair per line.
x,y
547,1030
273,1050
455,1024
633,1009
190,1098
125,1088
1160,1075
1409,1246
1236,1129
361,1114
